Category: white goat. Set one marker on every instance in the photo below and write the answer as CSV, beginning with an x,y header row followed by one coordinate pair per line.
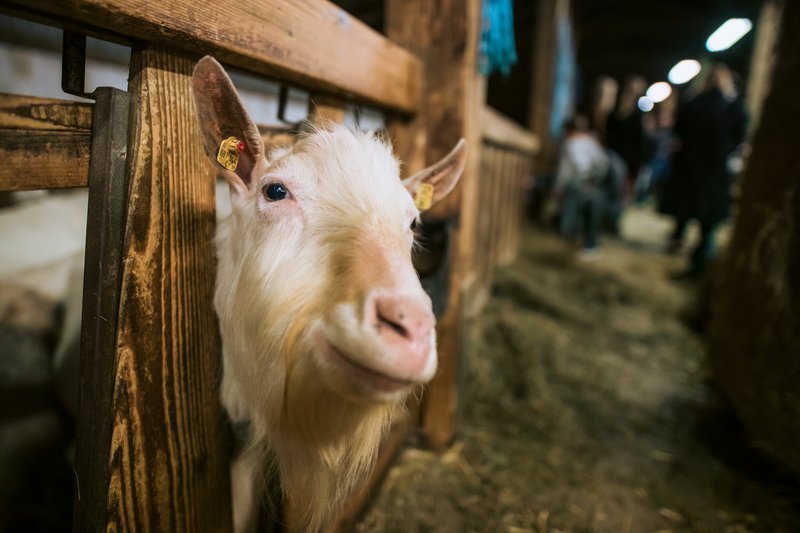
x,y
325,326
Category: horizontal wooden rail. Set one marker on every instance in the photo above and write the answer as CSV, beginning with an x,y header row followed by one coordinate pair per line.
x,y
500,130
311,43
44,143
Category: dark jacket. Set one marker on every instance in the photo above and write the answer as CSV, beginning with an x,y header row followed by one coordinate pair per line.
x,y
709,128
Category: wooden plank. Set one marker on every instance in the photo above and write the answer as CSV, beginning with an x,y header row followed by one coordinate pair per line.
x,y
444,34
512,219
48,114
514,193
168,455
314,43
44,143
509,210
493,210
105,228
35,159
501,130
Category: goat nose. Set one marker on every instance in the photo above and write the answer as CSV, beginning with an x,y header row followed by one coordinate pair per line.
x,y
404,324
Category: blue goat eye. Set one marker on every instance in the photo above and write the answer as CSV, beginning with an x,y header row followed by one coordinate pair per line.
x,y
275,191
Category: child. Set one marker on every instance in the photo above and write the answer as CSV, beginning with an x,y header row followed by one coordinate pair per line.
x,y
582,165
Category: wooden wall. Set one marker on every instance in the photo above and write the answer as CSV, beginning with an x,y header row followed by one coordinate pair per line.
x,y
755,327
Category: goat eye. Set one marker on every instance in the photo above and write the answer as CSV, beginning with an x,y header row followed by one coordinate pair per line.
x,y
413,224
275,191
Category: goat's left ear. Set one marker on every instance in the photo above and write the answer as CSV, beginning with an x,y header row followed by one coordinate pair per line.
x,y
439,178
222,117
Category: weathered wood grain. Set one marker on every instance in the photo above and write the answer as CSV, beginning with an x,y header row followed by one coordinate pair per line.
x,y
49,114
36,159
44,143
313,43
168,458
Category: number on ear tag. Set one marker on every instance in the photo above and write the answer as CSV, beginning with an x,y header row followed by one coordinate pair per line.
x,y
229,150
423,196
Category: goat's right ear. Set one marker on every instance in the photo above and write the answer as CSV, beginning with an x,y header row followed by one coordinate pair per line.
x,y
221,116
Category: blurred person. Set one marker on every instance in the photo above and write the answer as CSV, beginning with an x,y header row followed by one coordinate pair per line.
x,y
601,104
583,162
660,126
709,129
625,132
612,187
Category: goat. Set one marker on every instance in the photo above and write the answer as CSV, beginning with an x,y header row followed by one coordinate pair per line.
x,y
325,326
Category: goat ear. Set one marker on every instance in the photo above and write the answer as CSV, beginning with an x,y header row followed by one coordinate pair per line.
x,y
438,179
221,116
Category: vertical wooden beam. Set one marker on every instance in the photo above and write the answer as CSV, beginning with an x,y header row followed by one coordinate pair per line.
x,y
754,335
444,34
108,198
763,60
545,40
168,456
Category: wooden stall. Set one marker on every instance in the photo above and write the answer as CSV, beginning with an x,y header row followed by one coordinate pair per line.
x,y
152,444
506,166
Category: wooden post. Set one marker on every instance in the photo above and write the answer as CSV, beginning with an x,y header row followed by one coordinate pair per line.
x,y
108,195
444,34
545,40
763,60
168,458
754,336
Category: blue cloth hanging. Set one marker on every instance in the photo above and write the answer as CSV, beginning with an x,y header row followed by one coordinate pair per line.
x,y
498,51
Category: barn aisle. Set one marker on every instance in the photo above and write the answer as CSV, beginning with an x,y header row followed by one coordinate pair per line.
x,y
587,408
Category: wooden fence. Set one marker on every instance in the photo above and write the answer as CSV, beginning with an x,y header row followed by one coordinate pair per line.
x,y
506,166
152,447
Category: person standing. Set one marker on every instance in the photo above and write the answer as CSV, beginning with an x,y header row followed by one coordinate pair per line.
x,y
709,129
625,133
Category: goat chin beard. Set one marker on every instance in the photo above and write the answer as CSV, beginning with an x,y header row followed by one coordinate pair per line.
x,y
329,446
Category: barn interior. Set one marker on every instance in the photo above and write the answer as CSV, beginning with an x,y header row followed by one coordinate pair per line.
x,y
606,388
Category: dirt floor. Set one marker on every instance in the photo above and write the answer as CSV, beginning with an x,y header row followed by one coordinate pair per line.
x,y
587,407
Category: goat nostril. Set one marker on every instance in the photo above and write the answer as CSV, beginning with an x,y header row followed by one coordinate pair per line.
x,y
398,328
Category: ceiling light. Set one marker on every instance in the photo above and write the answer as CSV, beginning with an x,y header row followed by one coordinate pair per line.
x,y
684,71
645,104
658,92
726,35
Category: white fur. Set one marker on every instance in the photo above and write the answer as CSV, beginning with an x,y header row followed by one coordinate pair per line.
x,y
279,300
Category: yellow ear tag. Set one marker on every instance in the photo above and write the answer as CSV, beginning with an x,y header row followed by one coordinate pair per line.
x,y
423,196
229,150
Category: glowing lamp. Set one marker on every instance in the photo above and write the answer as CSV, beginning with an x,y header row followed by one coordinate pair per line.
x,y
658,92
684,71
726,35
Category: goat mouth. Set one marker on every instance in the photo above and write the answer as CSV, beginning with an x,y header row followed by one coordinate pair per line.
x,y
371,378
